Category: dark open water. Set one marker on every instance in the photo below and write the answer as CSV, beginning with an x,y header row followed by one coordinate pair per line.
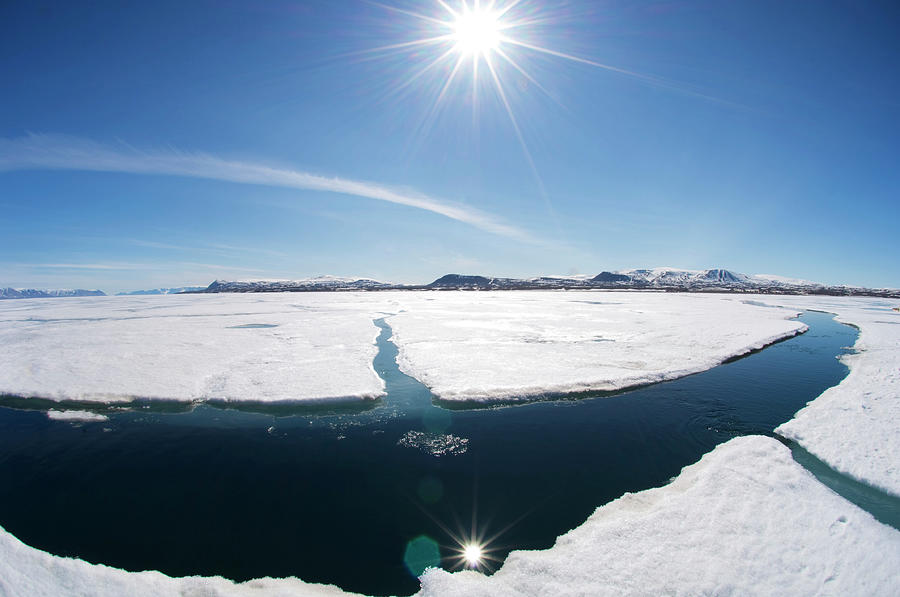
x,y
356,500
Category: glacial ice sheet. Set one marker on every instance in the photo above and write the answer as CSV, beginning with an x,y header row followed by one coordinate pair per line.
x,y
260,348
855,426
477,346
745,520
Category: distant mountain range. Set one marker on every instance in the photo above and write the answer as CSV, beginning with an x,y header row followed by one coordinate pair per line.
x,y
179,290
305,285
660,278
18,293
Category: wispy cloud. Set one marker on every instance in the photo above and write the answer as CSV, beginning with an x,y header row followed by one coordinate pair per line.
x,y
152,244
97,266
55,152
117,266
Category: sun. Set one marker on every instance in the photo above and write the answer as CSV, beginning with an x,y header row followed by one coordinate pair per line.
x,y
477,31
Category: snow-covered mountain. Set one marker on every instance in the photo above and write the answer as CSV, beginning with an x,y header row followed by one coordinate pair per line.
x,y
660,278
178,290
17,293
665,277
320,283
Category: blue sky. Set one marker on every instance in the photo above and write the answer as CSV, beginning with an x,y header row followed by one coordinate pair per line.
x,y
172,143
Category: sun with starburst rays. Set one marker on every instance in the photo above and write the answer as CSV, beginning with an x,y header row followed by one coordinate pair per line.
x,y
467,34
475,46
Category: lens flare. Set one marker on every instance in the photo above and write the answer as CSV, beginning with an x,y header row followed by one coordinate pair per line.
x,y
473,555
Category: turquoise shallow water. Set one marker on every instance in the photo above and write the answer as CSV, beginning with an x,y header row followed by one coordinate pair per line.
x,y
366,498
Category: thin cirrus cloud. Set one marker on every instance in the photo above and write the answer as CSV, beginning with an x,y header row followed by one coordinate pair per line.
x,y
118,266
56,152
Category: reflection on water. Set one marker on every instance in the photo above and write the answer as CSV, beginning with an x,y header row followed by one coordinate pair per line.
x,y
337,496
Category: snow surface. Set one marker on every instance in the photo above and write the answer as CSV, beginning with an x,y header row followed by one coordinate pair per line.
x,y
745,520
316,346
518,345
192,347
854,426
75,416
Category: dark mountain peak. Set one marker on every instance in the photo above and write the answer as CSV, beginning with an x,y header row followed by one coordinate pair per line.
x,y
722,275
610,277
461,281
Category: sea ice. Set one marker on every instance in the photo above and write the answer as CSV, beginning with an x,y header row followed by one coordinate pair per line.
x,y
745,520
853,426
435,444
318,346
519,345
237,347
28,572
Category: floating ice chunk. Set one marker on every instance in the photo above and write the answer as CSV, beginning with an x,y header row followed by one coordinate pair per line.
x,y
745,520
436,444
75,415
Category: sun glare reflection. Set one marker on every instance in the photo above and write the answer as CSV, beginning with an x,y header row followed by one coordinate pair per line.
x,y
473,554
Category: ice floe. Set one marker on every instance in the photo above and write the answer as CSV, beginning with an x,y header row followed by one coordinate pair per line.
x,y
28,572
320,346
76,416
854,426
745,520
528,344
237,347
436,444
